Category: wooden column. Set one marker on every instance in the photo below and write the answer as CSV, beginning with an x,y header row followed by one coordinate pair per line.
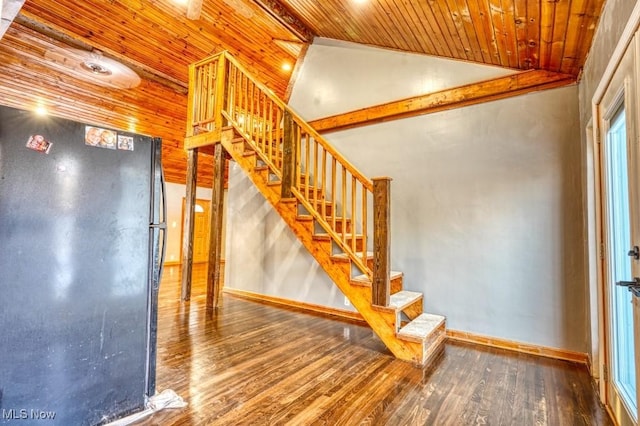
x,y
189,216
381,287
215,237
288,156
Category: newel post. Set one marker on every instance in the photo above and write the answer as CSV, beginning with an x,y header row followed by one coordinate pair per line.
x,y
288,155
381,287
191,100
220,91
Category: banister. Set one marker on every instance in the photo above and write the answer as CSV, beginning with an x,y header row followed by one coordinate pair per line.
x,y
333,191
300,121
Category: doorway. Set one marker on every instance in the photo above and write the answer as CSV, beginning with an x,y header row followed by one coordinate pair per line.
x,y
201,228
620,216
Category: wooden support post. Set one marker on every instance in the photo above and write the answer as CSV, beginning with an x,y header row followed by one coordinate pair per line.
x,y
189,216
381,287
215,237
288,156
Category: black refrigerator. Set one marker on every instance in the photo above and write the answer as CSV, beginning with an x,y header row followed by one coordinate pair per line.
x,y
82,236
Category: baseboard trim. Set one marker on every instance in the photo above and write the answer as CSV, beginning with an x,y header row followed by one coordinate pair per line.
x,y
526,348
273,300
178,262
456,335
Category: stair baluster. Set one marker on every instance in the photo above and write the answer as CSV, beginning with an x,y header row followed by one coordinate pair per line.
x,y
323,198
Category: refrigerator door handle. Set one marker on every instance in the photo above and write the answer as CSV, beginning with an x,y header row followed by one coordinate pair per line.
x,y
162,226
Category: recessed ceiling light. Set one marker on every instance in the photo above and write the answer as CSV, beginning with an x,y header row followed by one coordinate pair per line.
x,y
183,2
41,110
286,66
360,1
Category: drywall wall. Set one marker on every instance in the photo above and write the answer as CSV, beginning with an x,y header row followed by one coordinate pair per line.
x,y
338,77
175,193
263,254
486,218
613,21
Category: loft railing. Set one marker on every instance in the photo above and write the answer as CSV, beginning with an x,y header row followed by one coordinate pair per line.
x,y
345,203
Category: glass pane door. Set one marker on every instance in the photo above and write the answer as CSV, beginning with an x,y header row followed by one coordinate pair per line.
x,y
619,242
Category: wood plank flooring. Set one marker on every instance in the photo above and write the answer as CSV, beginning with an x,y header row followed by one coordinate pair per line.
x,y
254,364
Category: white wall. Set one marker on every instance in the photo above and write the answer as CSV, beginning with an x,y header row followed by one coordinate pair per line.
x,y
338,77
175,193
486,218
263,254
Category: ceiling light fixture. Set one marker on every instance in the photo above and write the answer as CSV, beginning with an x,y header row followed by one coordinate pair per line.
x,y
95,68
41,110
286,66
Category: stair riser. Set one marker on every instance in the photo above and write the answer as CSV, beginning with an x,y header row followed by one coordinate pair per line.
x,y
338,225
434,344
358,243
414,310
312,194
396,284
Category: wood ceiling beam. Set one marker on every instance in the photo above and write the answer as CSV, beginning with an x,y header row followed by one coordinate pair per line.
x,y
471,94
286,18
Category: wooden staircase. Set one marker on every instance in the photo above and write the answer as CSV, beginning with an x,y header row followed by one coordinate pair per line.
x,y
340,216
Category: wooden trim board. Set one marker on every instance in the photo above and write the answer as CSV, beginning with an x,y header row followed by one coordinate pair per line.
x,y
461,336
526,348
352,316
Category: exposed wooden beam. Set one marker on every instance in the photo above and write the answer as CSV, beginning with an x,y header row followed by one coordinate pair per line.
x,y
296,71
471,94
286,18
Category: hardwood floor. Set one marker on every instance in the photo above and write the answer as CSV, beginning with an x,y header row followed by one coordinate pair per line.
x,y
254,364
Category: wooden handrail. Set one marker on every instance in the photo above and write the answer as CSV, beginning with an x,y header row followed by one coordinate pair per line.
x,y
333,191
300,121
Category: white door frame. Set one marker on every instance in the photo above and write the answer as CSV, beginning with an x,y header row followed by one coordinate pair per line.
x,y
594,219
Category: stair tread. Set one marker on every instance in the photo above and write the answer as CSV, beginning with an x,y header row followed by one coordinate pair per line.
x,y
422,326
325,235
327,218
345,256
365,279
403,298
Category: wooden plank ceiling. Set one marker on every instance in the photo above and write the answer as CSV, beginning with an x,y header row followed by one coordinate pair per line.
x,y
155,38
552,35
